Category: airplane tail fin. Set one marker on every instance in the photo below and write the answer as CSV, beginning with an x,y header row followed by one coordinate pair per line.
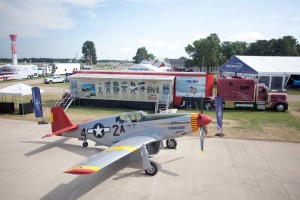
x,y
59,119
60,122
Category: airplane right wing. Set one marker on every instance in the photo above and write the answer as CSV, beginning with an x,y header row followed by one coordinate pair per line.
x,y
110,155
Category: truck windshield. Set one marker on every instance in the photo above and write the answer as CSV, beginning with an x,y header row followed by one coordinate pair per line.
x,y
262,89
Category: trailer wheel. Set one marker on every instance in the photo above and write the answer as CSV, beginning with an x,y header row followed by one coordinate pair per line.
x,y
280,107
208,105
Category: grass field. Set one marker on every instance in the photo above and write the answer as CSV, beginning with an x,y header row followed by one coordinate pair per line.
x,y
237,123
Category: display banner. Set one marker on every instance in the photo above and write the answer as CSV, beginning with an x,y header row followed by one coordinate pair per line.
x,y
219,111
37,102
189,86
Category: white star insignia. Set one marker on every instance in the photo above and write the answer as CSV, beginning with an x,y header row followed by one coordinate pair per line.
x,y
98,131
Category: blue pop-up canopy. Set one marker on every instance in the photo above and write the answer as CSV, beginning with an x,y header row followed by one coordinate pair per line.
x,y
234,64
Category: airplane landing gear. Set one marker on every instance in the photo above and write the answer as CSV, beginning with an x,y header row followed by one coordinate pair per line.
x,y
153,170
149,167
85,144
171,144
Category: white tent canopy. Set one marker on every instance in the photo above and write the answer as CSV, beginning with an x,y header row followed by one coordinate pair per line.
x,y
281,65
274,71
18,89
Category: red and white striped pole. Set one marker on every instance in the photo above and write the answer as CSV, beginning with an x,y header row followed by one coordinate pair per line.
x,y
13,39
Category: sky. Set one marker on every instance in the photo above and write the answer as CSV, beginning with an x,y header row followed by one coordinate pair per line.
x,y
58,28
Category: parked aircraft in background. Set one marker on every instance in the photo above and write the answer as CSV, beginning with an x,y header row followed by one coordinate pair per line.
x,y
126,133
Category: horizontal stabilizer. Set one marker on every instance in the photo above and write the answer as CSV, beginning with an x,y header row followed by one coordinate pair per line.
x,y
59,132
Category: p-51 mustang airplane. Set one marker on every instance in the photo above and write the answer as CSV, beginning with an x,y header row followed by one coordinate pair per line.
x,y
126,133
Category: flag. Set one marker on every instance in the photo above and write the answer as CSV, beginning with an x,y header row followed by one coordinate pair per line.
x,y
37,102
219,111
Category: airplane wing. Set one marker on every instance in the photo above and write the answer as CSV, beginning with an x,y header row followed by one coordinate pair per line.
x,y
110,155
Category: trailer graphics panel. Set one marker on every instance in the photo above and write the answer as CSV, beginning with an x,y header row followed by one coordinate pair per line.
x,y
20,71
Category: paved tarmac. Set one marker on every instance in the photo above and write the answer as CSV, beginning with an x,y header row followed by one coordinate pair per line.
x,y
31,168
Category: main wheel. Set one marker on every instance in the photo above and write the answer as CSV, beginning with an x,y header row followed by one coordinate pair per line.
x,y
153,170
171,144
85,144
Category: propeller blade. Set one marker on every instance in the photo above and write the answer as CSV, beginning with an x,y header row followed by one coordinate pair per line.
x,y
202,131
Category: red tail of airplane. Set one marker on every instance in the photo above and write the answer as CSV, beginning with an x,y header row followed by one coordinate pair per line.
x,y
60,122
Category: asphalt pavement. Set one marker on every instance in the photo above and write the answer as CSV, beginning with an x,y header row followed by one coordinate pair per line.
x,y
31,168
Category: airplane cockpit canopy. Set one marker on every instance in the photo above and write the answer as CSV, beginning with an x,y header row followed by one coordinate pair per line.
x,y
132,116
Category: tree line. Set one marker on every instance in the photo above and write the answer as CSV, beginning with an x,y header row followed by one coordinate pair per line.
x,y
211,52
205,52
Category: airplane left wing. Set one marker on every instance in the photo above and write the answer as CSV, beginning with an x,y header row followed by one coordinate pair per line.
x,y
110,155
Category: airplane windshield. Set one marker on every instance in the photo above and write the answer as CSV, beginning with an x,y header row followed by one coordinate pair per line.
x,y
125,117
133,116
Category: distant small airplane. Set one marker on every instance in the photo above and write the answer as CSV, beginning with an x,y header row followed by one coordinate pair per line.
x,y
126,133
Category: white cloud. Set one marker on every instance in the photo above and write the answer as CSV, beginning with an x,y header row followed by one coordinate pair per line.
x,y
31,18
164,44
282,17
148,1
174,48
246,36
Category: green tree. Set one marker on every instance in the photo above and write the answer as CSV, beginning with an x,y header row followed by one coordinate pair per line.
x,y
204,52
228,49
259,48
89,52
142,54
285,46
151,57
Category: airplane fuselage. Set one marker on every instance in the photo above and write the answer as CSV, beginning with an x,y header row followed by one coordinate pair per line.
x,y
109,131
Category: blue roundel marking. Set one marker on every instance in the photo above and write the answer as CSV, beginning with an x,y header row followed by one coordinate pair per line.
x,y
99,130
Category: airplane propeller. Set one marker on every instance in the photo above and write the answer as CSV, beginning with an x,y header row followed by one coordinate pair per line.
x,y
203,130
203,120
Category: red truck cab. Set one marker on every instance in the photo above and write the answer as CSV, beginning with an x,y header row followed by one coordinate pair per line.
x,y
245,92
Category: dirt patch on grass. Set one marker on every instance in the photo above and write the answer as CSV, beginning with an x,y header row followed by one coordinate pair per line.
x,y
283,134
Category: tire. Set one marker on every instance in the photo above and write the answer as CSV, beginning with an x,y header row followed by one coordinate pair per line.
x,y
152,171
85,144
28,77
280,107
171,144
208,105
50,82
64,81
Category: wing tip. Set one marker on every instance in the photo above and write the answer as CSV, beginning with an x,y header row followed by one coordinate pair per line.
x,y
82,170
